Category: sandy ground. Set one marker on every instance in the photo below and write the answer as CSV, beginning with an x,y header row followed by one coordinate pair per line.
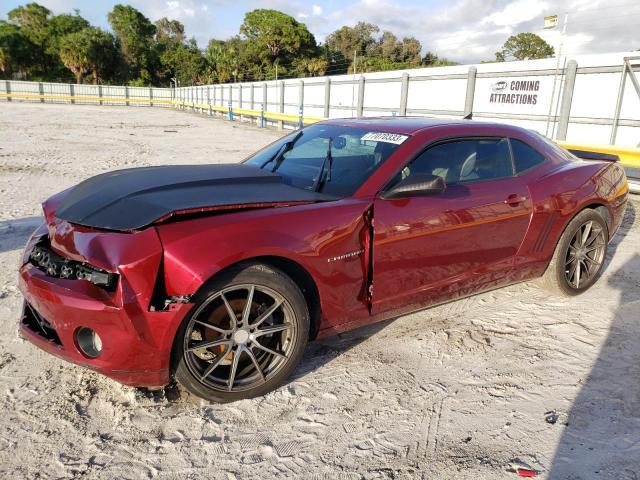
x,y
458,391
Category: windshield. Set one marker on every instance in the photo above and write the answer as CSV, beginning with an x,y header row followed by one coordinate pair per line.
x,y
331,159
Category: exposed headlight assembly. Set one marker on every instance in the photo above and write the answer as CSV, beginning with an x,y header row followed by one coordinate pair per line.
x,y
56,266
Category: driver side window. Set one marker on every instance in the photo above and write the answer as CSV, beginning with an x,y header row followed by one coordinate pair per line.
x,y
464,161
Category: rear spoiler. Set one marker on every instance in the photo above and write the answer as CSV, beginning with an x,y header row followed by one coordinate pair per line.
x,y
590,155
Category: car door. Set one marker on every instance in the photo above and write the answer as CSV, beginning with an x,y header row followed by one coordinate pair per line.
x,y
428,249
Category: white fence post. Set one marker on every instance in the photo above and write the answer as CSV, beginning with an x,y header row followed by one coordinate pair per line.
x,y
404,94
300,102
264,106
360,107
327,97
281,104
567,97
471,90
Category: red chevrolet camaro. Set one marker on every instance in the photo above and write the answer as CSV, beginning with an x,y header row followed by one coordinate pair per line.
x,y
219,275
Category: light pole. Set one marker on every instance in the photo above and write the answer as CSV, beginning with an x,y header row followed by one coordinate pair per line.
x,y
552,22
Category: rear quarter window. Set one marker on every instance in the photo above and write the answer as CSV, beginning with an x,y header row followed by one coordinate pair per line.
x,y
524,156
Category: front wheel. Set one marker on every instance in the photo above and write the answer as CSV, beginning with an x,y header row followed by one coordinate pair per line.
x,y
579,256
245,336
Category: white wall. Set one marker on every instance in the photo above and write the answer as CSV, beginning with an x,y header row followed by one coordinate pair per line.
x,y
441,92
434,92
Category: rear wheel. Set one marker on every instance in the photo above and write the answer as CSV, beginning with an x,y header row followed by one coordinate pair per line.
x,y
579,256
245,335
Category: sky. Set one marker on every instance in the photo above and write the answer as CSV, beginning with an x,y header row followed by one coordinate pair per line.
x,y
465,31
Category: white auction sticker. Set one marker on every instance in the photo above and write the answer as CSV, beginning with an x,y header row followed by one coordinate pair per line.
x,y
385,137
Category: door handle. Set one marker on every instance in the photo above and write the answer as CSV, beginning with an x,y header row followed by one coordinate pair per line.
x,y
514,200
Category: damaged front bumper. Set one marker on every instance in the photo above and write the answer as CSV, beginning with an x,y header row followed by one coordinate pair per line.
x,y
135,339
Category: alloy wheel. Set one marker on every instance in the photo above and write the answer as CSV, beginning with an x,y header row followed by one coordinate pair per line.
x,y
585,254
240,337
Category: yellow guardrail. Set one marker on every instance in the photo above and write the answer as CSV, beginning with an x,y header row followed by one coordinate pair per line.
x,y
274,116
629,156
85,98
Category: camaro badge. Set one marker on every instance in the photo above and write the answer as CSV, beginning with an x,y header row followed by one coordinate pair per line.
x,y
346,255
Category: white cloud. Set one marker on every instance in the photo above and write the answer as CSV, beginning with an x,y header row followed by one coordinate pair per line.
x,y
317,9
517,12
303,15
473,30
197,16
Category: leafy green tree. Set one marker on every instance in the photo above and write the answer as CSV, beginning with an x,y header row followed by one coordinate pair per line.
x,y
75,52
59,26
344,42
134,34
185,62
388,47
372,54
432,60
405,52
33,20
89,51
410,51
220,60
38,45
169,32
348,40
230,60
275,35
16,51
104,57
524,46
309,66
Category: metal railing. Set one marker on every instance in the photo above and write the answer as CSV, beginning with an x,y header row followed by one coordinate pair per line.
x,y
43,92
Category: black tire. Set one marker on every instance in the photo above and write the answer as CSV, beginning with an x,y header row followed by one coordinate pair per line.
x,y
569,260
238,352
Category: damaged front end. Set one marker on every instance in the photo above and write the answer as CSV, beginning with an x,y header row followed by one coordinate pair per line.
x,y
91,297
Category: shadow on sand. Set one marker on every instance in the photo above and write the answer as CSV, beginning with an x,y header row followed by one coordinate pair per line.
x,y
602,436
14,233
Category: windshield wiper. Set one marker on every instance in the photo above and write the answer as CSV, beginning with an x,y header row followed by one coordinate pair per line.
x,y
278,158
327,165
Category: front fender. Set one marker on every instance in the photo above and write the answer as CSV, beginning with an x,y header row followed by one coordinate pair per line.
x,y
311,235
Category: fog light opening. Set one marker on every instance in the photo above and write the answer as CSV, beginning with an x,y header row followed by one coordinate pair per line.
x,y
89,342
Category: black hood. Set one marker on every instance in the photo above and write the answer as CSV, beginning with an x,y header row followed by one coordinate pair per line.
x,y
136,197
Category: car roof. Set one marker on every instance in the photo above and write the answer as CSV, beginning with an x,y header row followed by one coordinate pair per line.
x,y
409,125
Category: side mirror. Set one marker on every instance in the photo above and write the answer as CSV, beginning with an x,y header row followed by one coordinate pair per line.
x,y
416,185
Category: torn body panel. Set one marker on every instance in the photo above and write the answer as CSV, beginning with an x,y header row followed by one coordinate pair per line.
x,y
327,243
